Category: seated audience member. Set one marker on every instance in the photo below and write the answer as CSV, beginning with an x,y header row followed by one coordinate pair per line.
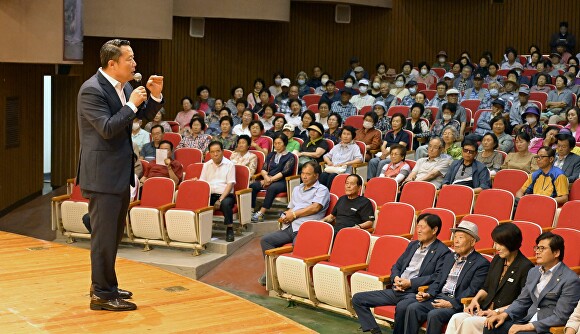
x,y
362,99
468,171
398,168
195,138
293,94
213,119
462,275
505,279
572,117
267,117
294,116
532,126
567,161
540,86
441,61
138,166
316,80
385,96
301,79
330,95
449,110
460,114
323,113
558,100
381,72
333,132
282,93
237,96
139,136
352,209
243,128
259,142
204,103
432,168
148,150
343,107
342,156
220,173
375,86
321,86
425,75
411,98
452,148
292,145
226,137
158,120
183,117
493,76
243,156
419,265
301,130
309,201
170,168
489,157
547,299
477,92
395,136
254,96
573,324
408,71
464,81
417,125
383,122
518,107
264,100
548,139
440,98
278,125
483,122
548,180
399,92
241,105
315,147
522,159
499,127
278,165
512,60
369,135
276,88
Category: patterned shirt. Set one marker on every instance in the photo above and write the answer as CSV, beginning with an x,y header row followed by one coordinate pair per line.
x,y
451,283
249,160
409,100
439,125
436,102
412,269
360,101
228,142
342,153
343,110
284,106
201,142
383,124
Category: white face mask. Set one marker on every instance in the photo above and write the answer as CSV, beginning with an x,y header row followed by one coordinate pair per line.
x,y
376,85
348,84
399,84
136,126
324,81
368,125
446,117
441,59
493,92
424,71
413,90
278,81
530,120
301,81
362,89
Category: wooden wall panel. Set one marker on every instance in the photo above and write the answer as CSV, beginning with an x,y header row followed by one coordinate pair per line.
x,y
22,175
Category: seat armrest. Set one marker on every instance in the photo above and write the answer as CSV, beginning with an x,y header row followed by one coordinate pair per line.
x,y
407,236
576,269
292,177
466,301
243,191
447,242
359,164
459,217
204,209
134,204
280,250
370,230
60,198
533,259
166,207
69,181
353,268
557,330
505,221
547,229
315,259
423,288
385,278
256,176
488,251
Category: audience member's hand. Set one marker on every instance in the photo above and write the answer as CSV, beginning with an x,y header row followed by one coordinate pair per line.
x,y
402,284
155,85
422,296
494,321
486,313
138,96
473,307
167,162
441,303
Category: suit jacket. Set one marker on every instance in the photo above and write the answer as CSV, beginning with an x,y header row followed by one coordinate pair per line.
x,y
430,267
555,302
574,321
469,282
480,177
571,167
503,292
106,157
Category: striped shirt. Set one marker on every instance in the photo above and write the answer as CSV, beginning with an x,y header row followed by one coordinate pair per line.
x,y
451,283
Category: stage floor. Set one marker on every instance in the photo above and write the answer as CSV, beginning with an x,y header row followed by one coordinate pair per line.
x,y
44,289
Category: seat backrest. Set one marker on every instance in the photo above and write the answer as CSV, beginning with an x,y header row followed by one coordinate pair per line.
x,y
456,198
193,170
337,186
310,99
174,126
299,140
146,166
350,247
398,109
157,191
541,97
411,163
530,232
477,115
313,238
173,137
363,148
411,136
485,224
572,242
385,253
510,180
497,203
187,156
447,222
356,121
382,190
261,158
420,194
313,108
575,190
537,209
429,93
439,71
567,217
76,194
395,218
468,115
242,178
192,195
434,111
330,144
331,204
472,104
364,110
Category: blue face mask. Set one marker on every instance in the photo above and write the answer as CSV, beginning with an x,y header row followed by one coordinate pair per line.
x,y
493,92
413,90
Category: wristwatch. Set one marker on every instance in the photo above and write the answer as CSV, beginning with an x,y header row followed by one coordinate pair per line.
x,y
497,310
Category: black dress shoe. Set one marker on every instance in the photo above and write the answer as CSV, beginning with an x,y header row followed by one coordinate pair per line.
x,y
122,293
117,304
230,234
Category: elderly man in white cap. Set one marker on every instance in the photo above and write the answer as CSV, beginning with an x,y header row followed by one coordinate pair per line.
x,y
462,275
363,98
460,113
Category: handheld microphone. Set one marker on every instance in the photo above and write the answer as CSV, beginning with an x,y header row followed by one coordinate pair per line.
x,y
137,77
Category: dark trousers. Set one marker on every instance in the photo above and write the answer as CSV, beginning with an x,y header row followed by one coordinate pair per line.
x,y
277,239
363,301
108,213
418,313
327,178
503,329
226,206
271,191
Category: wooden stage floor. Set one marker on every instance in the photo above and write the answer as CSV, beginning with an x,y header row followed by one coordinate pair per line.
x,y
44,289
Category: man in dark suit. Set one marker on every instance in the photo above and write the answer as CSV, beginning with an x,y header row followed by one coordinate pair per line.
x,y
551,292
567,161
105,170
462,275
419,265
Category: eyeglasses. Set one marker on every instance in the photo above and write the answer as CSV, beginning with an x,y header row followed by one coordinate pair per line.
x,y
468,151
539,249
538,157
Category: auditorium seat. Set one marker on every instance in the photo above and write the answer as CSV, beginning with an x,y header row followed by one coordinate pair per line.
x,y
537,209
243,206
457,198
67,213
420,194
187,156
395,218
497,203
511,180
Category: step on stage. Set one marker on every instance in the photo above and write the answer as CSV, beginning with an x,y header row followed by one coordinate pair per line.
x,y
44,289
